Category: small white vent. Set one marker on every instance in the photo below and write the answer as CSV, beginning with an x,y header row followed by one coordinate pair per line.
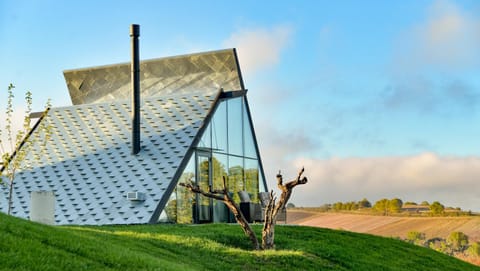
x,y
136,196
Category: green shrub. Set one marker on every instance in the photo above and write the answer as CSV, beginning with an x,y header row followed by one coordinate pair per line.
x,y
415,237
474,249
458,241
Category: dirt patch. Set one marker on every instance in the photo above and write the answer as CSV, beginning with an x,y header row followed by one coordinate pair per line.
x,y
296,217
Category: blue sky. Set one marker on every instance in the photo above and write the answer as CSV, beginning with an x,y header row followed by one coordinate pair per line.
x,y
376,98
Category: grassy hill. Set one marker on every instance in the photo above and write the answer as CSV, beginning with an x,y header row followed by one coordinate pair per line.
x,y
29,246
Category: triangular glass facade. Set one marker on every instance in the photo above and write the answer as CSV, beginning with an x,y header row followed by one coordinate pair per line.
x,y
227,148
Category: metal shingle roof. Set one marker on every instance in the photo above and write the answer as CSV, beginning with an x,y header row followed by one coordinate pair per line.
x,y
178,74
88,162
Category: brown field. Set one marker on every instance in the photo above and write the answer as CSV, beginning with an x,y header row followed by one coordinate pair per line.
x,y
389,226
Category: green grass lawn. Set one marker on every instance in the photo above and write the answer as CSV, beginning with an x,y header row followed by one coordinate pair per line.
x,y
29,246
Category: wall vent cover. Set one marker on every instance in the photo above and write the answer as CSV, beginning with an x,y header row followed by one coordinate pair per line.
x,y
136,196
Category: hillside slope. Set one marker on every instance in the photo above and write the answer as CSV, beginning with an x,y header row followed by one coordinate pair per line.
x,y
29,246
390,226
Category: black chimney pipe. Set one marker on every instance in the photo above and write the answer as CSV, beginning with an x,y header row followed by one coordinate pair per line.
x,y
134,34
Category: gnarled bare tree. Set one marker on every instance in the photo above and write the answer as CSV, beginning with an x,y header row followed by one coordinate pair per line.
x,y
272,210
273,207
224,195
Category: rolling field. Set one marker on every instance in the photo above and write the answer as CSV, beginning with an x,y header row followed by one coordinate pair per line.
x,y
389,226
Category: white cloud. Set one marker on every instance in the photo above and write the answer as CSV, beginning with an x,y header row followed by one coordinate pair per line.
x,y
259,48
448,40
453,181
432,59
278,148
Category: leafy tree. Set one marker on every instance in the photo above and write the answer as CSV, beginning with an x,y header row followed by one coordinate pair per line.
x,y
338,206
395,205
235,181
415,237
436,208
425,203
410,203
381,206
364,203
440,245
458,241
18,143
474,249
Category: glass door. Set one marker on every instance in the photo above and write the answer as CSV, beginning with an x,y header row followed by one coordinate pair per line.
x,y
204,212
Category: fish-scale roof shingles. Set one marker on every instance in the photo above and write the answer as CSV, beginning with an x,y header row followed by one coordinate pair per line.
x,y
88,163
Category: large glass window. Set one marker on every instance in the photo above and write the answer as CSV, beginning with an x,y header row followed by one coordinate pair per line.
x,y
261,183
205,141
219,165
169,213
219,128
235,176
226,148
235,126
204,182
185,198
179,206
250,150
251,178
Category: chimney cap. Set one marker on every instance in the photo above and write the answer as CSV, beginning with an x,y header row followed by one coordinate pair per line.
x,y
134,30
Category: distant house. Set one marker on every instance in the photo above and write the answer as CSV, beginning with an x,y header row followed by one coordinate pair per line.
x,y
195,126
416,208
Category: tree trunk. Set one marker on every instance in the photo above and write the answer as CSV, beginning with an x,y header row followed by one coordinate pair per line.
x,y
10,197
271,212
240,218
224,195
268,232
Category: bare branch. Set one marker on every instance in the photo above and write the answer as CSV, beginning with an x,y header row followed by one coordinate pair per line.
x,y
224,196
196,189
279,179
298,180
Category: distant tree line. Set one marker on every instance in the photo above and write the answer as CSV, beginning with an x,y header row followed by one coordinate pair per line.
x,y
349,206
395,206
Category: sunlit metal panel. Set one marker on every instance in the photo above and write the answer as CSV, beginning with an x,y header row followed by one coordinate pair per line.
x,y
179,74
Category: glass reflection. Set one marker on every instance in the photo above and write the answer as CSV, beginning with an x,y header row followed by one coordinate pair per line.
x,y
205,141
248,136
235,123
203,181
185,198
251,178
226,149
235,176
219,128
169,214
261,183
219,167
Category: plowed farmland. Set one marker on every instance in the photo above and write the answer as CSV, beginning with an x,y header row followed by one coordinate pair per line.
x,y
389,226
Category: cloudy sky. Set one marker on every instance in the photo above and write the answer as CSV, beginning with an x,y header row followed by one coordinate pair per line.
x,y
375,98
